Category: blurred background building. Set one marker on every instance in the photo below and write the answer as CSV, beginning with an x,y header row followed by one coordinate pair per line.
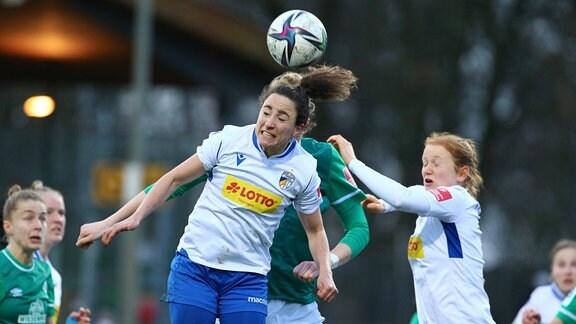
x,y
146,86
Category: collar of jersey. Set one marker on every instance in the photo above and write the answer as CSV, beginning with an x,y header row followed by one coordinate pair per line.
x,y
287,151
557,292
16,263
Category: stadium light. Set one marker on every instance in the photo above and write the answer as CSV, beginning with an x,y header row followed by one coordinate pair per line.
x,y
39,106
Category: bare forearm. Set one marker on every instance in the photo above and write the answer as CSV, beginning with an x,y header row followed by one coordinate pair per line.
x,y
320,250
151,201
128,209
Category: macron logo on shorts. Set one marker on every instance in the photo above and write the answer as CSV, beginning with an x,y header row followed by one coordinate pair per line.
x,y
257,300
441,194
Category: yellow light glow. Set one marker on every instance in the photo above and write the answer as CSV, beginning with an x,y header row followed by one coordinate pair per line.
x,y
39,106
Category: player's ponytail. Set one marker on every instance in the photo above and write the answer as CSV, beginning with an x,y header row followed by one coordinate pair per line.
x,y
314,84
328,83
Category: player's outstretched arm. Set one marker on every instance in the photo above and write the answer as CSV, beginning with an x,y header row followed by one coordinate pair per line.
x,y
185,172
91,232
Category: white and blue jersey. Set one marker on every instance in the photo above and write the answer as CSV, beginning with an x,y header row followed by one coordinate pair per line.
x,y
445,250
233,222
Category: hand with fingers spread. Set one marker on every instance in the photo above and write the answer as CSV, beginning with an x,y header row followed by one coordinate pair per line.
x,y
344,147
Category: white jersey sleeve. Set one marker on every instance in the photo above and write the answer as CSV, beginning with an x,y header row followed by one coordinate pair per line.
x,y
208,151
414,199
307,202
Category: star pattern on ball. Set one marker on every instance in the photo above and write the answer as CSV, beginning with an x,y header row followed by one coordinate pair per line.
x,y
289,33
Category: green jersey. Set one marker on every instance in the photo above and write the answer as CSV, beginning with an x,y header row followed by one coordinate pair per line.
x,y
567,312
290,245
26,291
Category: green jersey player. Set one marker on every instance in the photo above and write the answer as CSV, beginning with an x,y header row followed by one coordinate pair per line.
x,y
26,286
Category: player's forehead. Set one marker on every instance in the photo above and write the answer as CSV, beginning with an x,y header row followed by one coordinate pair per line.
x,y
435,152
280,104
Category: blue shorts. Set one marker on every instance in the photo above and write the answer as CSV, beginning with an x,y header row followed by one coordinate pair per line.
x,y
217,291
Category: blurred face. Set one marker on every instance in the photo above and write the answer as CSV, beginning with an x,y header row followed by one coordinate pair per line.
x,y
438,168
55,218
276,124
563,269
26,227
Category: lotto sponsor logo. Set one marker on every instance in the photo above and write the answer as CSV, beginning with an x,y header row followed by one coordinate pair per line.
x,y
257,300
250,196
415,248
441,194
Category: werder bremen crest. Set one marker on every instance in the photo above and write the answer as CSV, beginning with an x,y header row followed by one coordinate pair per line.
x,y
287,179
36,313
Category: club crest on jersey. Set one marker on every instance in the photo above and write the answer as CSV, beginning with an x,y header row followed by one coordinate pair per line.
x,y
441,194
240,158
286,179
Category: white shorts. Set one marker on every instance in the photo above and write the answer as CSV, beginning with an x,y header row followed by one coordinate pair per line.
x,y
280,312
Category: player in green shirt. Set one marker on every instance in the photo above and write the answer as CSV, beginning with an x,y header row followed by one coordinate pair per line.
x,y
291,278
26,286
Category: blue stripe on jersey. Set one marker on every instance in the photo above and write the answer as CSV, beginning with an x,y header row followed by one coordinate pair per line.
x,y
218,152
290,148
255,140
453,240
287,151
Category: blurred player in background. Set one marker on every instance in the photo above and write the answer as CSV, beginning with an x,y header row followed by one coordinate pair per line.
x,y
445,251
545,301
26,286
55,229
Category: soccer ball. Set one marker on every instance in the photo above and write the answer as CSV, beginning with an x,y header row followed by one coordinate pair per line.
x,y
296,38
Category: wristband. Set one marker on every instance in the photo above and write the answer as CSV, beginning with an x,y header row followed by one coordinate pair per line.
x,y
334,261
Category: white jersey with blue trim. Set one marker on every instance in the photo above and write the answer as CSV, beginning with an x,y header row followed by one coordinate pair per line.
x,y
445,253
546,300
445,250
233,222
